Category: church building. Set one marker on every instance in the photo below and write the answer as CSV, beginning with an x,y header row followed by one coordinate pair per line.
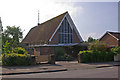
x,y
58,30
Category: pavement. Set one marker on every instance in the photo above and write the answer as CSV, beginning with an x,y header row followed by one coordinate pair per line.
x,y
59,66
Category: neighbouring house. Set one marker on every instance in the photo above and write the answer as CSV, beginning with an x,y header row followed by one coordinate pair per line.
x,y
111,38
58,31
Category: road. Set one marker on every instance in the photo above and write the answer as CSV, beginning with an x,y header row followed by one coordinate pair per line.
x,y
108,72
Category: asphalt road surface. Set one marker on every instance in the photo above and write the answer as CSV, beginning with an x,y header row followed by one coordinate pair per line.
x,y
108,72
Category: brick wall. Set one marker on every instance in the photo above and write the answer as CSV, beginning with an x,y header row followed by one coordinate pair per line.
x,y
110,40
43,51
75,37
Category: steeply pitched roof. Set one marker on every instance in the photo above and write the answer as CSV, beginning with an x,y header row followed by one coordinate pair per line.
x,y
43,31
115,35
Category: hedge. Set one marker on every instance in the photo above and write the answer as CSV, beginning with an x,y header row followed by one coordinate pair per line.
x,y
99,56
14,59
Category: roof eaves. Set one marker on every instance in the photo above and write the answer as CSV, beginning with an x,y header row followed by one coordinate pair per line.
x,y
58,26
112,35
74,27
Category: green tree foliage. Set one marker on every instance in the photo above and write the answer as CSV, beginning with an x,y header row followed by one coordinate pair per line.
x,y
17,57
6,47
98,46
116,50
13,35
90,39
19,50
14,59
99,56
97,52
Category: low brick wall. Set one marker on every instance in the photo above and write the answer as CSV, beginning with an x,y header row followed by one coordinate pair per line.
x,y
42,58
45,58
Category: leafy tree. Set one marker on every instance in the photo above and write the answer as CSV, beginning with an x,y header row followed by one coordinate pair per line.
x,y
13,35
90,39
6,47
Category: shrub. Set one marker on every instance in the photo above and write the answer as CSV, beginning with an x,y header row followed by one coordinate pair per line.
x,y
98,56
14,59
98,46
62,55
74,50
60,52
116,50
6,47
19,50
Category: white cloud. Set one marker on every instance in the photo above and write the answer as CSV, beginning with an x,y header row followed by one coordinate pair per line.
x,y
23,13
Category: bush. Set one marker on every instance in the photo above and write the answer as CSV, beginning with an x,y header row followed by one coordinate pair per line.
x,y
14,59
19,50
99,56
61,54
6,47
116,50
98,46
74,50
98,52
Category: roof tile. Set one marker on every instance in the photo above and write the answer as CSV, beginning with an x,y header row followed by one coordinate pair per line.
x,y
43,31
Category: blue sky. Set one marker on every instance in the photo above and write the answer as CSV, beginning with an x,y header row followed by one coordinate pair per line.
x,y
96,18
91,18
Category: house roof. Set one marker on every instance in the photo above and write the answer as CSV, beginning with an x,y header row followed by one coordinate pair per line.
x,y
43,31
115,35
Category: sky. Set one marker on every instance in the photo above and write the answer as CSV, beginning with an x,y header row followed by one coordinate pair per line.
x,y
91,18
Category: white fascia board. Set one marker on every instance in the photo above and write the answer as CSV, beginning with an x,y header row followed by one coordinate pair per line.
x,y
113,36
73,27
58,27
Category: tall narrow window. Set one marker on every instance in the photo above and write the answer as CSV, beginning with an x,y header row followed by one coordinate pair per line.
x,y
65,32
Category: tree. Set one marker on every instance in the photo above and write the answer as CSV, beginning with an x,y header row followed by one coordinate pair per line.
x,y
90,39
13,35
6,47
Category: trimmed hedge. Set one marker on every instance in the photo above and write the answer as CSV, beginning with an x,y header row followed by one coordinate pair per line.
x,y
98,52
91,56
14,59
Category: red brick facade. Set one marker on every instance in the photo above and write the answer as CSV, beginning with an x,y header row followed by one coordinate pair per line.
x,y
58,30
47,32
75,37
110,39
